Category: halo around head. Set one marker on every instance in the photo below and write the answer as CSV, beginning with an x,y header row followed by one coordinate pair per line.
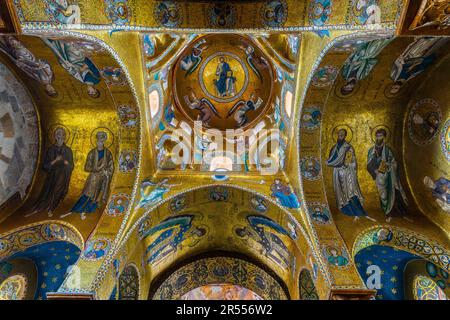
x,y
109,136
381,126
349,130
52,129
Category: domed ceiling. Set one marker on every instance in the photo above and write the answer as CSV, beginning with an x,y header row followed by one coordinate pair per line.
x,y
323,151
223,81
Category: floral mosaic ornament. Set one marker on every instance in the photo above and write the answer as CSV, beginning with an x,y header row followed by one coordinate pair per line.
x,y
216,270
427,289
445,139
325,76
403,240
96,249
118,204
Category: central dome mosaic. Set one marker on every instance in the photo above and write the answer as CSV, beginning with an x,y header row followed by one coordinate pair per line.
x,y
223,81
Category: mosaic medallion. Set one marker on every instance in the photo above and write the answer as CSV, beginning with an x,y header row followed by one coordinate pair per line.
x,y
423,121
168,14
325,76
311,117
336,256
223,82
319,213
362,12
237,73
96,249
118,204
128,116
310,168
127,161
274,13
118,11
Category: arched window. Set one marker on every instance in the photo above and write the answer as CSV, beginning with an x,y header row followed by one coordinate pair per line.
x,y
153,99
288,100
223,163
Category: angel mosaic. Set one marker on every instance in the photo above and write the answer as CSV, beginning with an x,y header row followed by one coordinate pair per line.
x,y
255,62
268,234
222,15
440,189
190,62
206,109
366,11
153,192
241,108
170,236
168,13
274,13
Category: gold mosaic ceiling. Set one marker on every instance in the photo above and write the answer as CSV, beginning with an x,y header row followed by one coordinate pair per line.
x,y
288,73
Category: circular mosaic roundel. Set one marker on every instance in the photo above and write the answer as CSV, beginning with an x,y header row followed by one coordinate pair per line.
x,y
423,121
209,69
223,81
